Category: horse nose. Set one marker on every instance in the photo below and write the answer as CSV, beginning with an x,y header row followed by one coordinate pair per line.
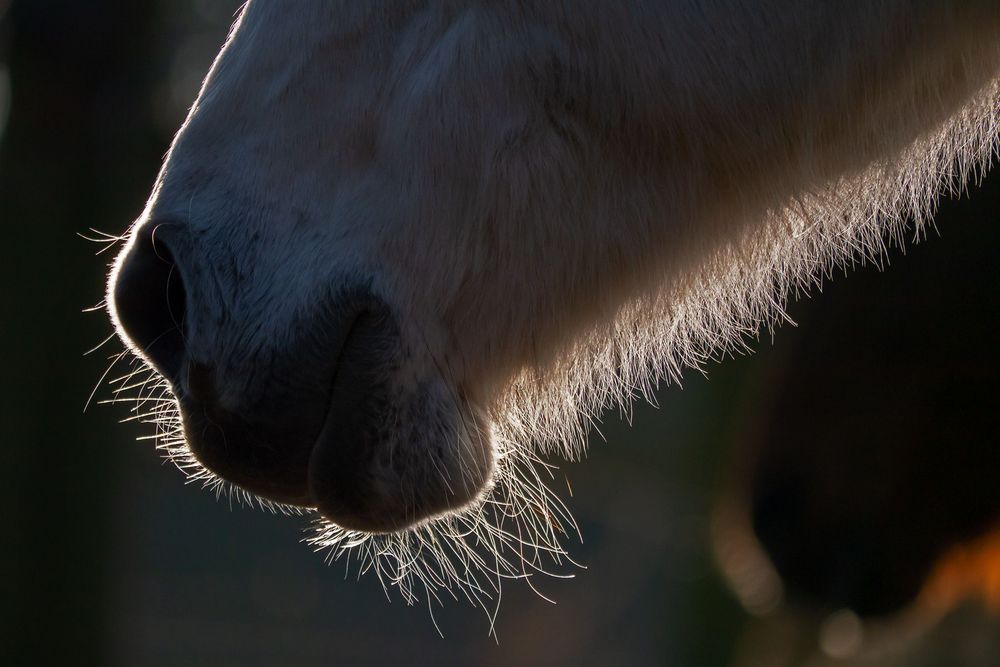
x,y
262,446
149,300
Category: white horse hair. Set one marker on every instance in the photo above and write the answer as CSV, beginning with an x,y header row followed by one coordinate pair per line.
x,y
559,204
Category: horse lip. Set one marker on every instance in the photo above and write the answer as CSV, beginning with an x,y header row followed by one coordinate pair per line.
x,y
338,366
305,499
282,480
343,478
392,453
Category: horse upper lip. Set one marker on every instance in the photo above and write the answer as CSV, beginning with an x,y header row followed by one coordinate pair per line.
x,y
265,445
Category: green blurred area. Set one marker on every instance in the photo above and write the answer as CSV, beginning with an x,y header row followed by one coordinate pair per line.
x,y
108,558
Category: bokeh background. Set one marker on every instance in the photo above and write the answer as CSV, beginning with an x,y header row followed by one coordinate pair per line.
x,y
862,441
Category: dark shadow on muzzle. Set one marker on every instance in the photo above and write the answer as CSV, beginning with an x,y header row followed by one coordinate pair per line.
x,y
338,419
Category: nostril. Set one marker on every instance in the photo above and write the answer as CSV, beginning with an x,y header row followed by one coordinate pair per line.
x,y
149,300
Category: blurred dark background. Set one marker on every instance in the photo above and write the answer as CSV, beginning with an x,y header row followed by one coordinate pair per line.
x,y
861,444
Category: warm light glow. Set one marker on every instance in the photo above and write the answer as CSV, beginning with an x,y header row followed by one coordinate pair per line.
x,y
970,570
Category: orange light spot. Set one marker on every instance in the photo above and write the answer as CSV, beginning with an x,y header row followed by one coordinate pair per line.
x,y
969,570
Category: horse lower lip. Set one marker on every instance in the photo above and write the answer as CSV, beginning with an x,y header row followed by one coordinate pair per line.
x,y
349,479
331,407
392,453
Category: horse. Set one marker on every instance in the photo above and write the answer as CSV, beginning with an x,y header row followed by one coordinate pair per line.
x,y
401,252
